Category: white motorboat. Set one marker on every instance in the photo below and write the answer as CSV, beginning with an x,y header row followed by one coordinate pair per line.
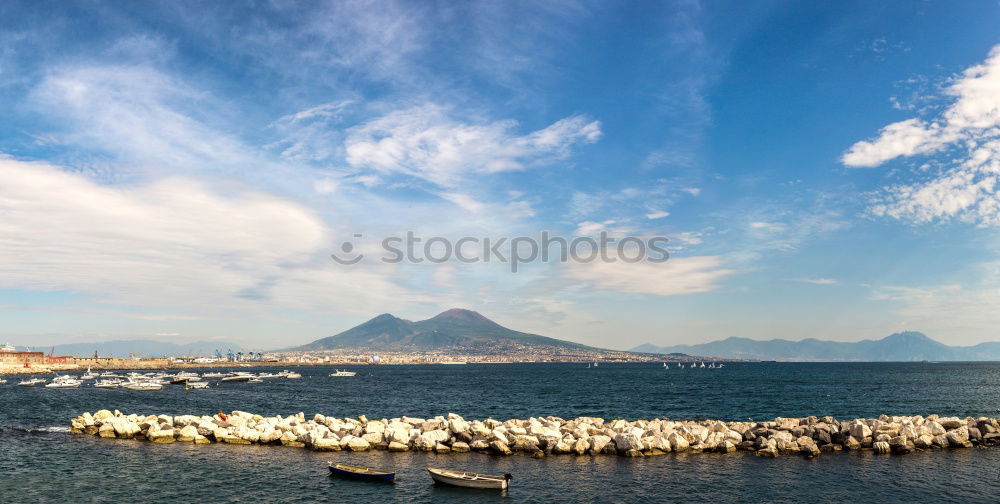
x,y
270,375
143,386
89,375
292,375
31,382
64,382
255,379
343,372
238,377
197,385
107,384
2,381
213,375
469,479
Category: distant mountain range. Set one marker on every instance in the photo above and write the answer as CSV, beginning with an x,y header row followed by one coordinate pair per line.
x,y
904,346
453,328
145,348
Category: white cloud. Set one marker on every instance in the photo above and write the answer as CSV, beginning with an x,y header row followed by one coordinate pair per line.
x,y
657,214
815,281
426,143
677,276
968,187
767,226
464,201
174,244
903,138
137,114
324,110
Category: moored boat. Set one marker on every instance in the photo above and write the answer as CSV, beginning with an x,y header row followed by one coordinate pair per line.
x,y
238,377
143,386
64,382
31,382
107,384
469,479
362,473
343,372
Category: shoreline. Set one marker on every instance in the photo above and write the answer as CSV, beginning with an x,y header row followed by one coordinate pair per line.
x,y
544,436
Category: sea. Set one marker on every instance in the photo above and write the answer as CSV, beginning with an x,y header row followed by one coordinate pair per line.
x,y
40,461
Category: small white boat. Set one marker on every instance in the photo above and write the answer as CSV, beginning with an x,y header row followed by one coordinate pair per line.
x,y
2,381
213,375
143,386
721,364
64,382
197,385
665,366
469,480
255,380
110,374
702,364
107,384
293,376
342,372
89,375
238,377
31,382
270,375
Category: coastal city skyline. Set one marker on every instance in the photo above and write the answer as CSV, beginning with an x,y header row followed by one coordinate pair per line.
x,y
185,174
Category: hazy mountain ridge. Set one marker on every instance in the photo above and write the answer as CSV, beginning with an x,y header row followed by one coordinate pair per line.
x,y
903,346
452,328
145,348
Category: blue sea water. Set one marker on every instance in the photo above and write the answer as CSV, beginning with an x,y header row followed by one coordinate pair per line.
x,y
40,462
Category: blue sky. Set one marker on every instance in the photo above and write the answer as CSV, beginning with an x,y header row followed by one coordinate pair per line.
x,y
172,170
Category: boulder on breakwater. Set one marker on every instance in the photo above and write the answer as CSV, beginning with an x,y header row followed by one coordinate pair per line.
x,y
538,437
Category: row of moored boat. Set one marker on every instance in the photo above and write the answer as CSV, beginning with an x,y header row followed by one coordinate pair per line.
x,y
151,381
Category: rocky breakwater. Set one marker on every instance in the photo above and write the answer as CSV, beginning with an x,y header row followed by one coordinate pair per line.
x,y
539,437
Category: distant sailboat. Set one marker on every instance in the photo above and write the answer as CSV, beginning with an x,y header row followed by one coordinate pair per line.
x,y
665,366
702,364
595,364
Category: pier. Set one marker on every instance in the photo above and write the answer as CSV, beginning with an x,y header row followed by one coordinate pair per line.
x,y
544,436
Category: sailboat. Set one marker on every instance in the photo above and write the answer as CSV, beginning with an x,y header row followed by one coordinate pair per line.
x,y
702,364
665,366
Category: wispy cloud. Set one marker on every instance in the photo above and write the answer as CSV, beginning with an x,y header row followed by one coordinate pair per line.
x,y
677,276
815,281
427,143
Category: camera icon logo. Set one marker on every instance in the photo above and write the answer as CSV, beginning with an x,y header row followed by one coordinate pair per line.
x,y
347,256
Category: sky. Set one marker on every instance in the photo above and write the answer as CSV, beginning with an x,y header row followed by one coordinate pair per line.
x,y
184,171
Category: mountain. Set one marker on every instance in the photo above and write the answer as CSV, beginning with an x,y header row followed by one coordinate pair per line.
x,y
453,328
146,348
904,346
